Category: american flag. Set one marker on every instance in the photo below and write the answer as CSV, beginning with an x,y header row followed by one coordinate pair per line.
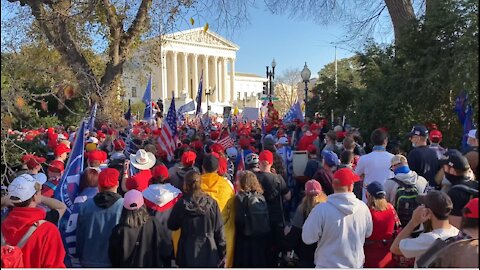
x,y
167,139
226,142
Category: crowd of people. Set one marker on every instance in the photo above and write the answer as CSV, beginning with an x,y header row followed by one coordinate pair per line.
x,y
238,202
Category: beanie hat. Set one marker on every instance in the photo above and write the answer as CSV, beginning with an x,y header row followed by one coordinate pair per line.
x,y
108,178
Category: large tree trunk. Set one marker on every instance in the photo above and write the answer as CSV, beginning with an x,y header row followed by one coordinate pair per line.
x,y
402,14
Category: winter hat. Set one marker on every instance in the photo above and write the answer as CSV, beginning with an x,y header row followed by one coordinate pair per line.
x,y
188,158
108,178
133,200
160,170
139,181
313,187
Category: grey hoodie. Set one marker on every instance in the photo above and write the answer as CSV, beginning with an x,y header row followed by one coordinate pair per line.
x,y
340,226
411,178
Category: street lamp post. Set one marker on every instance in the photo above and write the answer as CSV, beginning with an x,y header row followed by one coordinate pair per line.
x,y
271,77
306,78
207,94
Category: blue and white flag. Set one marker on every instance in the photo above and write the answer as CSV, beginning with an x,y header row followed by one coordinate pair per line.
x,y
199,95
67,191
190,106
91,119
147,99
295,112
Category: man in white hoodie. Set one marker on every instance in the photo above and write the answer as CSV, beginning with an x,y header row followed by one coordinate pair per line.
x,y
340,225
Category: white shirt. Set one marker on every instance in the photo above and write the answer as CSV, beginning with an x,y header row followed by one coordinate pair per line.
x,y
376,167
416,247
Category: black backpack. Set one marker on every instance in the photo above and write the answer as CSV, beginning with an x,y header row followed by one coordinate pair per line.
x,y
257,221
405,201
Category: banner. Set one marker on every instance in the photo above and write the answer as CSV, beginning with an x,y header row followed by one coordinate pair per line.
x,y
66,192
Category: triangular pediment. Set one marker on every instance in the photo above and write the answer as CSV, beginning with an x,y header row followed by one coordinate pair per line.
x,y
199,36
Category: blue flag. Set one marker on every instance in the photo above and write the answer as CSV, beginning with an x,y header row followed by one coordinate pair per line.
x,y
66,192
465,114
91,119
147,99
295,112
199,95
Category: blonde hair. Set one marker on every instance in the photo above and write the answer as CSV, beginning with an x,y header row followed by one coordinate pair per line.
x,y
377,204
310,201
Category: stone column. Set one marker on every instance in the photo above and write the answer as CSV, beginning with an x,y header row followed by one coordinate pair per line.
x,y
175,75
163,71
185,74
205,76
232,77
195,76
226,94
215,80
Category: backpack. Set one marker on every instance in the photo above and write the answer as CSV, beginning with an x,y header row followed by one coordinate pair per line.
x,y
473,192
432,253
257,221
12,256
405,201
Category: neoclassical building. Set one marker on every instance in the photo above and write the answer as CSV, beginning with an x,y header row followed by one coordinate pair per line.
x,y
176,66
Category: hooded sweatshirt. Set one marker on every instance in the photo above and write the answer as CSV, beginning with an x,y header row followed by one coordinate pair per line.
x,y
44,248
221,190
96,219
340,226
411,178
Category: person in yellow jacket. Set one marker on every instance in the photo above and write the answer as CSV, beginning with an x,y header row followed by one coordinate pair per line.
x,y
221,190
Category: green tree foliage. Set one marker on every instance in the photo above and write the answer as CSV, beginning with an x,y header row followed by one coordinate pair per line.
x,y
415,82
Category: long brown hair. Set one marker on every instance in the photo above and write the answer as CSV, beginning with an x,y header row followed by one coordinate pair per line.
x,y
310,201
191,184
249,183
89,179
378,204
134,218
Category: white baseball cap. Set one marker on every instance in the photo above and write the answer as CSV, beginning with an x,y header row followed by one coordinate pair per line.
x,y
472,133
232,152
22,187
41,178
282,140
92,140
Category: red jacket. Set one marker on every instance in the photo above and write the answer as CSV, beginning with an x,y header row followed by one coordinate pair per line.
x,y
44,248
306,140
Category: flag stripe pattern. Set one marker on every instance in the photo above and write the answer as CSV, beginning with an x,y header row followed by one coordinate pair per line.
x,y
168,133
226,142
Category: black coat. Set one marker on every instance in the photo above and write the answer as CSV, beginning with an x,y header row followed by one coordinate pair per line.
x,y
202,239
145,246
250,251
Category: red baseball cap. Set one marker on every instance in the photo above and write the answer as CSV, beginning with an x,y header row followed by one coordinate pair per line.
x,y
188,158
97,155
217,148
345,177
56,166
108,178
60,149
119,144
214,135
436,135
267,156
160,170
471,209
34,161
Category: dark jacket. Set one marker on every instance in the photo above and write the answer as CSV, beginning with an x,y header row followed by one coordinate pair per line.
x,y
250,251
140,247
325,178
274,187
202,240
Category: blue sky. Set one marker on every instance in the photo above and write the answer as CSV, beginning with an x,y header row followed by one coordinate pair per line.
x,y
290,41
